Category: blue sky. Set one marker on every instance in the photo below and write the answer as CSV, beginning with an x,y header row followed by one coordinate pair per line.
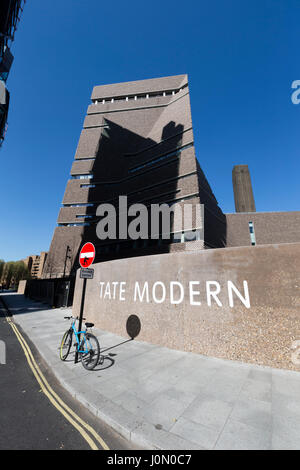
x,y
241,57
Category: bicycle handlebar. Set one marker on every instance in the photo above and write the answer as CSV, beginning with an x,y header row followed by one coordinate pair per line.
x,y
74,318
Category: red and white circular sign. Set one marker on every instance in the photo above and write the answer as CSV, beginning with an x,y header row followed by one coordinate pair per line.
x,y
87,255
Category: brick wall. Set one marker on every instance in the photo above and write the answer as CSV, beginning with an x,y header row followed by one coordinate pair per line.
x,y
269,227
261,332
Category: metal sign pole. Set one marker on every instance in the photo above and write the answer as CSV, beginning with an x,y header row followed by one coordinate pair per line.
x,y
86,257
81,316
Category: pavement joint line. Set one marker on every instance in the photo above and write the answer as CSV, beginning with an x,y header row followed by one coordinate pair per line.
x,y
53,397
223,427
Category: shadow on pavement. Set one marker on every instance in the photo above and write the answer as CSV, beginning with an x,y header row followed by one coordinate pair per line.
x,y
22,305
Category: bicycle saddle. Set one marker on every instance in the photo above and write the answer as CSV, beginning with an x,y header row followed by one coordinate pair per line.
x,y
89,325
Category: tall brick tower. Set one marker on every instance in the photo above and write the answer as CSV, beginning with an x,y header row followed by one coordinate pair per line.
x,y
137,140
242,188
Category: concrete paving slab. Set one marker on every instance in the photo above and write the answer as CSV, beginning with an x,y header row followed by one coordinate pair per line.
x,y
286,432
208,411
196,433
257,390
253,413
224,387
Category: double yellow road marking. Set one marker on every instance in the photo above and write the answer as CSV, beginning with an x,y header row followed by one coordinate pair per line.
x,y
81,426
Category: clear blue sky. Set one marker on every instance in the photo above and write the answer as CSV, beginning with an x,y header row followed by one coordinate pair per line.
x,y
241,57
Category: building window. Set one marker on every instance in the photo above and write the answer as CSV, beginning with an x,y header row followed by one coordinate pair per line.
x,y
252,234
85,158
79,205
112,99
82,177
177,237
78,224
153,161
192,236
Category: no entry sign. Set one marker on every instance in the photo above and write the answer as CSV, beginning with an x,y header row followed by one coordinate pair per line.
x,y
87,255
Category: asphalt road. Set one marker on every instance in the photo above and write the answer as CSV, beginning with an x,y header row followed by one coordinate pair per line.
x,y
28,420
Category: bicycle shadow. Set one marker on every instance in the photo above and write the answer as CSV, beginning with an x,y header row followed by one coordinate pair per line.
x,y
105,362
133,328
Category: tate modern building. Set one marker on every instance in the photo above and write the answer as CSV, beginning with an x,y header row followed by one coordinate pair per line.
x,y
137,141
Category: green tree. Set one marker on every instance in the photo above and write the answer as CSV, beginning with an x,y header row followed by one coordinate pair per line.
x,y
20,272
2,264
8,273
13,272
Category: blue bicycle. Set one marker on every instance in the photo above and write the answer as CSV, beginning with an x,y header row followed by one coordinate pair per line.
x,y
88,349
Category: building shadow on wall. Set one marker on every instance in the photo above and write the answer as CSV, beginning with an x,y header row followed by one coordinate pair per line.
x,y
215,225
128,164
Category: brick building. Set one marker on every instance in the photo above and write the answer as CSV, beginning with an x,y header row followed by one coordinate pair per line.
x,y
247,227
262,228
35,264
137,140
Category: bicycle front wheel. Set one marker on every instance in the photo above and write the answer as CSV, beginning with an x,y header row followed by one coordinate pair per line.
x,y
89,351
66,344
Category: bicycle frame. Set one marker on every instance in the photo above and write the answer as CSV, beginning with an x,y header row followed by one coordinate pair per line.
x,y
77,336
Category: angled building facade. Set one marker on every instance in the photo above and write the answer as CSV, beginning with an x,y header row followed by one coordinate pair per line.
x,y
10,11
137,140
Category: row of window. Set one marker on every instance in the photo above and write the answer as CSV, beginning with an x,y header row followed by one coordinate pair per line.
x,y
179,237
169,202
84,216
85,158
138,96
132,193
159,159
85,204
77,224
82,177
147,164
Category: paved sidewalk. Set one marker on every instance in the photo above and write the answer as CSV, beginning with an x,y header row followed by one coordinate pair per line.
x,y
164,399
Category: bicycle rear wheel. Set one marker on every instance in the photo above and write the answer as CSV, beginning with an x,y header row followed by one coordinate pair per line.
x,y
89,351
65,345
